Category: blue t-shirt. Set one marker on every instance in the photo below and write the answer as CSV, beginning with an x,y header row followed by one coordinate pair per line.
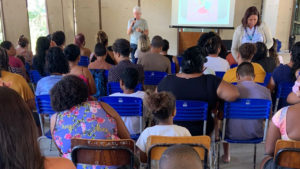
x,y
44,85
282,74
142,24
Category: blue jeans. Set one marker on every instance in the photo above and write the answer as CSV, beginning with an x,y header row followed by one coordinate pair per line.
x,y
133,49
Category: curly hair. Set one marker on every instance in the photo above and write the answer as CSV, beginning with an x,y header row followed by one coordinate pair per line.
x,y
193,60
39,60
144,43
23,41
161,104
72,52
56,61
295,59
59,37
273,52
247,51
68,92
79,40
3,60
102,38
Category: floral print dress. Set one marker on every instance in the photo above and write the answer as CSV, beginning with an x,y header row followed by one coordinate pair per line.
x,y
87,121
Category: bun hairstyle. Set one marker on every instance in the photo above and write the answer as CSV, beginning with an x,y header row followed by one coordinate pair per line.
x,y
23,41
212,45
203,39
295,52
193,60
79,40
161,104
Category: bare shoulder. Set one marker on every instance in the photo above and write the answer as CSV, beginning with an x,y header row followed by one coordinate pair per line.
x,y
58,163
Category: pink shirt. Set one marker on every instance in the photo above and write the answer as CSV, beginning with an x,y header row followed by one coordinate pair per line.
x,y
15,62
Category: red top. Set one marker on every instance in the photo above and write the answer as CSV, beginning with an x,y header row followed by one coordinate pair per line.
x,y
15,62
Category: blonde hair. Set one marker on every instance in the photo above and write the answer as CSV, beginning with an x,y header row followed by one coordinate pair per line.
x,y
144,43
102,38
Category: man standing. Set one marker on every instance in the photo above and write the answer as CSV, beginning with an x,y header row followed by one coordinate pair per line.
x,y
136,27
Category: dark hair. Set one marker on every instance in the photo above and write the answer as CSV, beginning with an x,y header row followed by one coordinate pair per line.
x,y
56,61
261,52
72,52
4,60
18,133
193,60
100,49
247,51
251,11
122,46
245,69
59,38
6,45
130,78
273,52
295,53
102,38
161,104
79,39
39,60
202,41
23,41
166,45
212,45
68,92
157,41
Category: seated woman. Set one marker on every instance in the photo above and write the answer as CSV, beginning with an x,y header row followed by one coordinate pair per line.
x,y
100,54
23,50
21,150
80,42
72,53
57,65
173,59
79,118
191,84
162,106
261,57
39,61
143,47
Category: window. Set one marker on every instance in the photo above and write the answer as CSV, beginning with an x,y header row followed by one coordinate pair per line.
x,y
38,24
1,23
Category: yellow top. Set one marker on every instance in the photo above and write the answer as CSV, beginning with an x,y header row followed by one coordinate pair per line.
x,y
18,83
230,75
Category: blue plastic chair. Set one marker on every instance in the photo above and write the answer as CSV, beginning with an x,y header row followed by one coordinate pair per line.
x,y
173,67
283,90
179,60
220,74
153,77
84,61
127,106
114,87
233,66
100,78
188,110
252,109
34,76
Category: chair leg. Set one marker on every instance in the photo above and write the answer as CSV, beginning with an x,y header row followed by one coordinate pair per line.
x,y
42,125
254,157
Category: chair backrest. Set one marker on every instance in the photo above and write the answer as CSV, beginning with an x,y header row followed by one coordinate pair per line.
x,y
287,154
284,89
220,74
179,60
100,82
84,61
173,67
267,79
114,87
153,77
233,66
125,106
103,152
156,145
43,104
35,76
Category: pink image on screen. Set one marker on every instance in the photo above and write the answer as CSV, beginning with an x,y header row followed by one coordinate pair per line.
x,y
205,11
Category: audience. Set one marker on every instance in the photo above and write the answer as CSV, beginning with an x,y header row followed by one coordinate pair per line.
x,y
245,54
180,156
72,53
100,53
58,39
39,60
143,46
162,106
154,61
191,84
78,118
23,49
80,42
128,82
261,57
212,48
173,59
18,136
121,49
57,65
17,82
239,129
103,39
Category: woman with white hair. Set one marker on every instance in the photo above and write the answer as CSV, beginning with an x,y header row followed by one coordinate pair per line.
x,y
136,27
